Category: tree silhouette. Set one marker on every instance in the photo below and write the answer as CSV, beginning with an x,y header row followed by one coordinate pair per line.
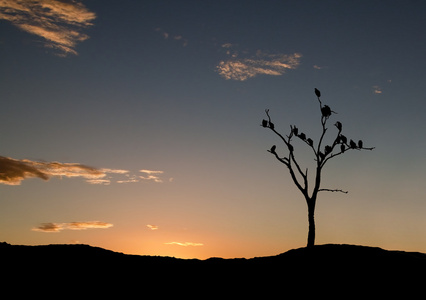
x,y
322,154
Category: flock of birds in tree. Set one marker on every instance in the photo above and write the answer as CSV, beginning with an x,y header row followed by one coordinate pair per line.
x,y
326,113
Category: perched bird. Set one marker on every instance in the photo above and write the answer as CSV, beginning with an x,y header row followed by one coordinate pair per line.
x,y
326,111
264,123
342,148
310,142
338,125
343,139
302,136
295,130
360,144
327,149
290,147
337,141
317,92
273,149
352,144
271,125
321,155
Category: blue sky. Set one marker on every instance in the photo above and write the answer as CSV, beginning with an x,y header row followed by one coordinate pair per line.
x,y
94,91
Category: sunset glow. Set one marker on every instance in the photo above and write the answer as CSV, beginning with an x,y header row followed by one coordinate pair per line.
x,y
136,125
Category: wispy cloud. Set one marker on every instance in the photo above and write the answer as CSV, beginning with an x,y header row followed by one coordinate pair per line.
x,y
377,89
185,244
14,171
59,22
316,67
176,37
151,175
261,64
57,227
152,227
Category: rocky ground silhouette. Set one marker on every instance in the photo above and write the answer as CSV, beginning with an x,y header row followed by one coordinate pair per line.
x,y
324,270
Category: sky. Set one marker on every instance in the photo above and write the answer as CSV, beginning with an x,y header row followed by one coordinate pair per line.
x,y
135,125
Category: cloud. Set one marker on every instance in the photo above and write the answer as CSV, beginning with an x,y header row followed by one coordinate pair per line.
x,y
155,178
152,227
185,244
14,171
319,67
261,64
151,172
57,227
377,89
59,22
176,37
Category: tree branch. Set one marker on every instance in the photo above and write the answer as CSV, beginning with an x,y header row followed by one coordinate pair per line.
x,y
334,190
349,148
286,161
291,158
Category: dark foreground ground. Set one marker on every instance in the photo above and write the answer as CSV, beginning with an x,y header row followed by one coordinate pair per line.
x,y
333,271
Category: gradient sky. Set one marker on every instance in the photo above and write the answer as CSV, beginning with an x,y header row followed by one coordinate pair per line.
x,y
134,125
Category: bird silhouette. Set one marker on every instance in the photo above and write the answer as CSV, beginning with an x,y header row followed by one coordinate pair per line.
x,y
295,130
302,136
310,142
327,149
342,148
264,123
360,144
338,125
352,144
271,125
337,140
273,149
326,111
317,93
343,139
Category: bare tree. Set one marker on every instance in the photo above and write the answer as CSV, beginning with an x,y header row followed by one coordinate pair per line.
x,y
322,154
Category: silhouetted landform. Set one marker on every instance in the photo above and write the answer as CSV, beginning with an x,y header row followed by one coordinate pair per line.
x,y
326,270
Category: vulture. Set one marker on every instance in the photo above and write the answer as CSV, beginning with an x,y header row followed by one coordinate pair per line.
x,y
327,149
273,149
295,130
359,144
322,155
310,142
290,147
342,148
265,123
271,125
326,111
338,125
343,139
317,93
337,141
352,144
302,136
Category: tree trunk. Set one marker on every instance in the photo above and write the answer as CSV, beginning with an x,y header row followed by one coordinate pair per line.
x,y
311,220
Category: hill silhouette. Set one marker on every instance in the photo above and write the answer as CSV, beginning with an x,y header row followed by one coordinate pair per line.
x,y
325,270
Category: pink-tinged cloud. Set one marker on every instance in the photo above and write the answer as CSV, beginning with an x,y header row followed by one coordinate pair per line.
x,y
152,175
57,227
242,69
152,227
59,23
377,89
184,244
14,171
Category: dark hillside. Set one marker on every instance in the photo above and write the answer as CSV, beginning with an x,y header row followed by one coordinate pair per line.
x,y
322,270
